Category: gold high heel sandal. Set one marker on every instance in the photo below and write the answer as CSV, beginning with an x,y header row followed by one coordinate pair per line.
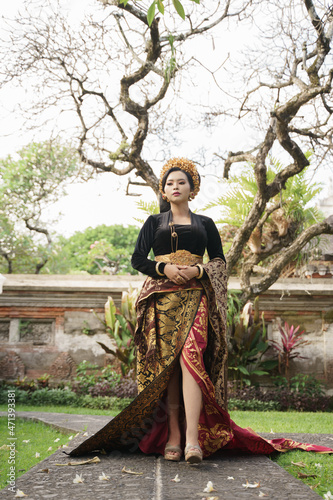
x,y
193,454
172,452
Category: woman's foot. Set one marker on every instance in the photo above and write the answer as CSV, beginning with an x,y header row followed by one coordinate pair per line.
x,y
193,454
172,452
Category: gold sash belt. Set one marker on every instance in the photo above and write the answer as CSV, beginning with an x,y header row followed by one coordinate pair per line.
x,y
181,257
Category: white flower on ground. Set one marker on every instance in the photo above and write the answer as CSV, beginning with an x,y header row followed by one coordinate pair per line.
x,y
26,441
103,477
176,479
85,434
49,449
320,466
78,479
19,494
230,477
70,438
56,440
37,454
262,494
249,485
209,488
328,496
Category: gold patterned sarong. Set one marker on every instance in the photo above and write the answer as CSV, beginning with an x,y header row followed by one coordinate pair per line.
x,y
182,320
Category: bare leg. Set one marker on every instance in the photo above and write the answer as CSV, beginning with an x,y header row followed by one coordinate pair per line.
x,y
173,409
192,401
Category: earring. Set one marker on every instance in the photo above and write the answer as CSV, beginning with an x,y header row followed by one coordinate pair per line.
x,y
190,198
165,198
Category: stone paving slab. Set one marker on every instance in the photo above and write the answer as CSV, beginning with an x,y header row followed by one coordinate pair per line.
x,y
155,481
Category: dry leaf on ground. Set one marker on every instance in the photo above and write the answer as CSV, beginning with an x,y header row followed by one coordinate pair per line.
x,y
94,460
299,464
128,471
302,475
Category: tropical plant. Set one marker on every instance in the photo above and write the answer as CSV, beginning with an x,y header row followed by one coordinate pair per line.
x,y
149,208
290,340
120,325
234,306
247,346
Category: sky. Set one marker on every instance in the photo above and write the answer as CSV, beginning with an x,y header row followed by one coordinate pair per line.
x,y
102,200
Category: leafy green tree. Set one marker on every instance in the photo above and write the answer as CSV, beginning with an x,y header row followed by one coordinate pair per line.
x,y
30,182
95,250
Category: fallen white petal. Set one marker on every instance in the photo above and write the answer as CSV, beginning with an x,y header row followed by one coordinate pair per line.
x,y
85,434
272,432
26,441
78,479
176,479
249,485
19,494
230,477
103,477
56,440
49,449
209,488
37,454
319,465
328,496
70,438
261,494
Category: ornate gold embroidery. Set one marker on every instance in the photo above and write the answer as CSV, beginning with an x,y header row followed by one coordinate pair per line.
x,y
180,257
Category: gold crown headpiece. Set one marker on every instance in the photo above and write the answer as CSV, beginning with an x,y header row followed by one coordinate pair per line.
x,y
185,165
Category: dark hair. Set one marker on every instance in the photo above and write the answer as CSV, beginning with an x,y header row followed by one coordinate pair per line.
x,y
165,205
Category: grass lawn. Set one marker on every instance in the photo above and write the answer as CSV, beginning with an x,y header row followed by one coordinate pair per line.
x,y
34,442
316,465
62,409
278,421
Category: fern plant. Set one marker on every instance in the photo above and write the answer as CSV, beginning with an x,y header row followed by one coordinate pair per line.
x,y
295,198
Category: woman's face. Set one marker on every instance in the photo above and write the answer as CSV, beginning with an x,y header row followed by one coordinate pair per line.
x,y
177,187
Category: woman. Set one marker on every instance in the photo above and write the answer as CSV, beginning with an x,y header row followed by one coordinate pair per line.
x,y
181,339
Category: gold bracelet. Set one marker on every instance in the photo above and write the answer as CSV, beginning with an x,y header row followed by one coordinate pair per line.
x,y
201,271
157,269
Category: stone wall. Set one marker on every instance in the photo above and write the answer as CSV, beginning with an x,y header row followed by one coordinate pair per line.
x,y
49,324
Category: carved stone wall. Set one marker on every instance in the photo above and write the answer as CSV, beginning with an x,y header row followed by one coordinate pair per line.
x,y
11,367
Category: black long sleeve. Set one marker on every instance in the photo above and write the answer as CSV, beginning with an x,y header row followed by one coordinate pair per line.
x,y
155,234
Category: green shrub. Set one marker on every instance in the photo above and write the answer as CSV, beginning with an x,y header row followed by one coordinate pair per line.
x,y
63,397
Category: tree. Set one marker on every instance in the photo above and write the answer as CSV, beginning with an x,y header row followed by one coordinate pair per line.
x,y
82,69
289,99
29,184
84,251
285,91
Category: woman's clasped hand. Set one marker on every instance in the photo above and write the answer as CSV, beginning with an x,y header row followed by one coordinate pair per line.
x,y
180,274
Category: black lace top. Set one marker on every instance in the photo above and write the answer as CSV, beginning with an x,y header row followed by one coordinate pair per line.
x,y
155,234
